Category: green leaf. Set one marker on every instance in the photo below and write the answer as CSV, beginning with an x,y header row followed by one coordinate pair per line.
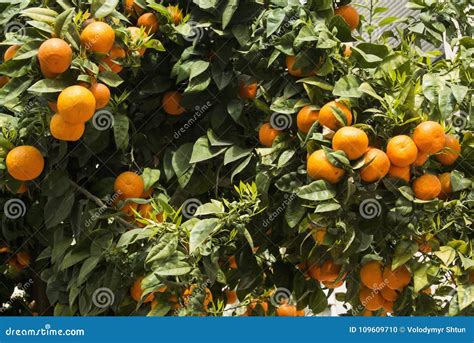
x,y
316,191
173,267
235,153
228,12
87,267
57,209
421,277
201,232
74,257
150,177
110,78
213,207
274,20
202,150
63,21
240,167
165,248
133,236
121,126
404,251
102,8
49,86
181,166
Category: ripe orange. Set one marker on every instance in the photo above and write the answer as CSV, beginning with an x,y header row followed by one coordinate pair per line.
x,y
232,263
24,163
171,103
290,61
371,300
149,22
366,313
429,137
314,271
347,51
396,279
101,94
64,131
47,74
353,141
116,53
10,52
371,275
253,305
333,284
388,306
445,180
98,37
421,159
129,185
23,258
176,14
231,297
451,151
319,168
402,173
286,310
136,35
147,193
76,104
3,80
132,8
267,134
55,56
306,117
319,234
147,212
330,271
248,91
350,16
402,151
136,291
426,187
377,168
20,190
329,114
129,208
389,294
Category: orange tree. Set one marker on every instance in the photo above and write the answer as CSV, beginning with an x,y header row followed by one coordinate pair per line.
x,y
192,158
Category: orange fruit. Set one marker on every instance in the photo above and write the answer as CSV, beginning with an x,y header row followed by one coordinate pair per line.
x,y
231,297
377,168
136,35
129,185
319,234
171,103
149,22
47,73
4,249
132,8
253,305
314,271
101,94
426,187
445,180
389,294
20,190
319,168
353,141
300,313
3,80
290,61
333,284
136,291
248,91
366,313
176,14
429,137
76,104
402,151
371,300
451,151
371,275
55,56
147,193
347,51
24,163
306,117
232,262
23,258
65,131
330,271
388,306
10,52
98,37
396,279
129,208
267,134
421,159
350,16
402,173
286,310
331,111
116,53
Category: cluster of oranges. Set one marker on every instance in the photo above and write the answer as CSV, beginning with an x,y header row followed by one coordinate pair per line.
x,y
381,286
18,261
402,151
327,273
